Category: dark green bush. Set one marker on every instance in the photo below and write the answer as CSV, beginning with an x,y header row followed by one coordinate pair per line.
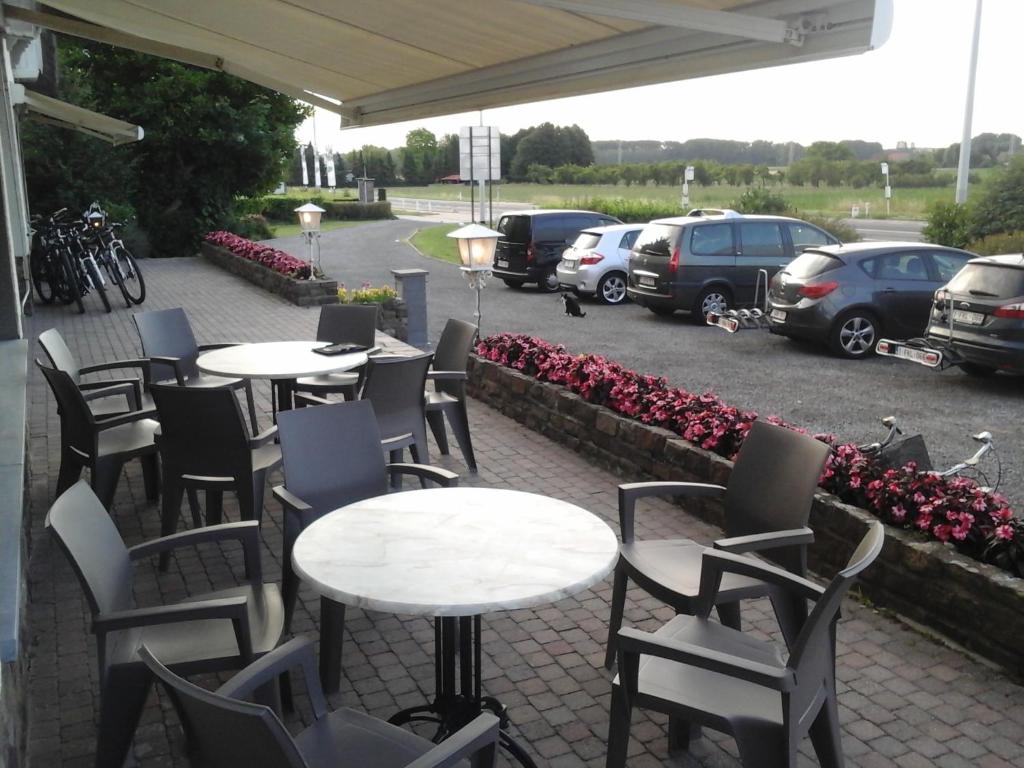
x,y
1006,242
948,224
1000,206
283,208
836,227
252,226
760,200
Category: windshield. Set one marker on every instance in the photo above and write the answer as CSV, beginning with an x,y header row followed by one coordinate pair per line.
x,y
811,263
515,228
656,240
586,241
989,281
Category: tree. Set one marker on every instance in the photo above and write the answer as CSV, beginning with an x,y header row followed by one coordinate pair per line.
x,y
1000,206
418,156
210,137
829,150
551,146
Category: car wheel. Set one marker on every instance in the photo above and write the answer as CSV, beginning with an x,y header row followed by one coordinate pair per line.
x,y
663,311
712,299
549,283
854,335
513,283
612,288
981,371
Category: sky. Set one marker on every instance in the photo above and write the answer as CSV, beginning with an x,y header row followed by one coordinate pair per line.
x,y
911,89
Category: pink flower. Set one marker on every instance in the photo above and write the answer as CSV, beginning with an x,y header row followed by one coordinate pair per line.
x,y
1004,532
942,532
898,513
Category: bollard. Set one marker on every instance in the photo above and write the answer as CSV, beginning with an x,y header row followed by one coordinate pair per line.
x,y
411,285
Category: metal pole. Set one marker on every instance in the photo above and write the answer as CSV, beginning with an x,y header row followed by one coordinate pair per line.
x,y
964,166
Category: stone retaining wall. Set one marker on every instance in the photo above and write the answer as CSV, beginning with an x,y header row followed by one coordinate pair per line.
x,y
305,293
977,605
393,318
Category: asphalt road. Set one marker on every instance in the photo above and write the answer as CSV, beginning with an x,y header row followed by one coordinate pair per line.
x,y
751,369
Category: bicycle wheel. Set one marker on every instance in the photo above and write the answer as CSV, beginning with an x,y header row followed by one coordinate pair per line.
x,y
71,282
97,282
42,275
134,285
113,268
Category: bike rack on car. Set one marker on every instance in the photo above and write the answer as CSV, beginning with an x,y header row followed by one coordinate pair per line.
x,y
733,320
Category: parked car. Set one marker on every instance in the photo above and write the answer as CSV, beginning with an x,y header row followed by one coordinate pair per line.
x,y
979,316
849,296
597,262
710,261
532,242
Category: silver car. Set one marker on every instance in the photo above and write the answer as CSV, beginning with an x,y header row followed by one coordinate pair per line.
x,y
597,262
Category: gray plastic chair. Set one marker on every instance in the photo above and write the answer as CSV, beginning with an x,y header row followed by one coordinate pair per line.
x,y
222,729
100,444
100,394
208,632
451,359
204,446
701,673
169,343
395,386
767,505
348,323
332,457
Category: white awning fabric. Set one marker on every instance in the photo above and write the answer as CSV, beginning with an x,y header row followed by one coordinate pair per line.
x,y
391,60
65,115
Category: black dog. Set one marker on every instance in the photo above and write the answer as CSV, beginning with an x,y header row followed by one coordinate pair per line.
x,y
572,306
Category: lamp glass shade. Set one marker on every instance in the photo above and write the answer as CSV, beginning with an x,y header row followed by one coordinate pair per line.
x,y
476,245
309,217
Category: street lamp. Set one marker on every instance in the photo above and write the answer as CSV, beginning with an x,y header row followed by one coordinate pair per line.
x,y
476,250
309,221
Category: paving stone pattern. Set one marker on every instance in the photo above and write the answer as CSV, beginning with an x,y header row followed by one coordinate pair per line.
x,y
905,700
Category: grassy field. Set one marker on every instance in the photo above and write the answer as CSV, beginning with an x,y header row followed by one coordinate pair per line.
x,y
287,229
432,241
829,201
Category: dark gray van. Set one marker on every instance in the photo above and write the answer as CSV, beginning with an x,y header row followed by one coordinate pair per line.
x,y
532,242
710,262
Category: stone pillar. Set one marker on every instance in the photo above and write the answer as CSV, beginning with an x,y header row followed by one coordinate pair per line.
x,y
411,285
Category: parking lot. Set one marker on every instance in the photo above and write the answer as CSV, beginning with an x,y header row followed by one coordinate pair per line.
x,y
751,369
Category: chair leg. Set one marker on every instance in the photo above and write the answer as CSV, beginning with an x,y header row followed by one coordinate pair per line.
x,y
151,476
729,614
259,484
170,508
70,471
459,420
332,632
764,748
122,698
105,475
289,581
214,507
620,719
420,436
680,733
435,420
193,507
825,734
252,407
615,620
395,457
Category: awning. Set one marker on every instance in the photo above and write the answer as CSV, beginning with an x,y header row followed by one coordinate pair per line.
x,y
390,60
65,115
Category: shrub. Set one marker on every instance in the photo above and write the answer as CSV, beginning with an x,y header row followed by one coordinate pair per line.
x,y
948,224
366,294
1000,206
1009,242
252,226
628,211
835,227
760,200
271,258
283,208
954,510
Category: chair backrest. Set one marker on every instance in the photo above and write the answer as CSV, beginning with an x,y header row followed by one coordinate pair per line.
x,y
812,656
772,484
348,323
202,431
452,353
168,333
57,351
332,454
77,424
95,548
223,731
395,387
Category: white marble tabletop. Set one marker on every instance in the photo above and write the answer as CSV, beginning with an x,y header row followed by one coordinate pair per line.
x,y
454,551
276,360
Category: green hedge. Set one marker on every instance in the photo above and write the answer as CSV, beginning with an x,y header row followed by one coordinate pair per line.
x,y
1007,242
628,211
283,208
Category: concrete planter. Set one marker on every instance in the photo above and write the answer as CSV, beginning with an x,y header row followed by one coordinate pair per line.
x,y
305,293
393,318
977,605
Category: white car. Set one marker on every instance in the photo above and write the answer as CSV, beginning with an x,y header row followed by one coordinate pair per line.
x,y
597,263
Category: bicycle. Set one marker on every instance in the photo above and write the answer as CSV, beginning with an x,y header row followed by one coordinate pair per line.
x,y
119,262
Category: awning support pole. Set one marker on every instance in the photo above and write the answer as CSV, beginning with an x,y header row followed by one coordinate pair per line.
x,y
14,240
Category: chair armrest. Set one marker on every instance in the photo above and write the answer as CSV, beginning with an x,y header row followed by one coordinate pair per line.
x,y
633,642
140,363
175,363
233,608
296,652
307,399
130,388
263,437
125,418
246,532
218,345
447,375
388,442
479,734
758,542
630,493
289,500
716,563
442,477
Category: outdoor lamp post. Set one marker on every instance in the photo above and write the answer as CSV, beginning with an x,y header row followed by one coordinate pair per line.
x,y
309,221
476,250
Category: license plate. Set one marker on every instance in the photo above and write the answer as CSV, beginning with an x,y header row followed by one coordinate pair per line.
x,y
648,281
968,318
730,324
503,263
777,314
931,358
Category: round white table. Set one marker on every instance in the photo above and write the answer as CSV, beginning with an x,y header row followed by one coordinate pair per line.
x,y
452,553
280,361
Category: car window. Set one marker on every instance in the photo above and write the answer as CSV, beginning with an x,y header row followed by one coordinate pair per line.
x,y
657,240
812,263
712,240
608,222
628,239
989,281
761,238
897,266
948,264
574,223
586,240
516,229
548,228
806,236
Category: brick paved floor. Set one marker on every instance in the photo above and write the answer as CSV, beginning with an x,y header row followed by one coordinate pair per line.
x,y
905,700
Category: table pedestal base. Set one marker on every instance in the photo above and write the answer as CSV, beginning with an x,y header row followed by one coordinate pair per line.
x,y
454,707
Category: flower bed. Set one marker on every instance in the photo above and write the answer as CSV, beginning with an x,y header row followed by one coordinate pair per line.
x,y
272,270
953,510
271,258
